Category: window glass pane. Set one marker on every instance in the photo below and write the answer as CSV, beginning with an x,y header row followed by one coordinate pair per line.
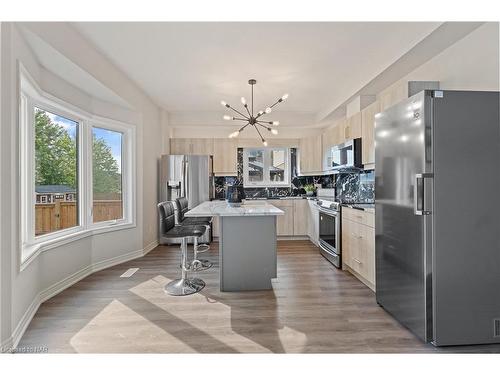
x,y
56,172
255,165
107,174
277,167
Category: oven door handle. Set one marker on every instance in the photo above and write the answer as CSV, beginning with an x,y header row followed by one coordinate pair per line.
x,y
328,212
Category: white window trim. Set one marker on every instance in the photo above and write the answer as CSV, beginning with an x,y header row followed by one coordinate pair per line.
x,y
30,96
267,162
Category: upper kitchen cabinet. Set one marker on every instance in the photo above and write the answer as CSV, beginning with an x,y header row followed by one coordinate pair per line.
x,y
367,134
191,146
332,135
310,155
352,127
225,156
180,146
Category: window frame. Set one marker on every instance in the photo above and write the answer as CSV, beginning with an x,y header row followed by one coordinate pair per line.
x,y
266,158
126,153
31,96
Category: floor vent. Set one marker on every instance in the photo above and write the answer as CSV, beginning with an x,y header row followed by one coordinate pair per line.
x,y
131,271
496,328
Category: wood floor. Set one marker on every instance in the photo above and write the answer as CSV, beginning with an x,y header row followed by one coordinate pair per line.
x,y
313,308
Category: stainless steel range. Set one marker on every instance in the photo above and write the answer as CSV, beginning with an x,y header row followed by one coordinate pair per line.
x,y
329,226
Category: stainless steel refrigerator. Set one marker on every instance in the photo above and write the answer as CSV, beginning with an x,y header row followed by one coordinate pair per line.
x,y
437,199
189,176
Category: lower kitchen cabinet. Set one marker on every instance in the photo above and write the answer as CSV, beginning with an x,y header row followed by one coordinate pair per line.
x,y
358,244
313,222
284,223
300,217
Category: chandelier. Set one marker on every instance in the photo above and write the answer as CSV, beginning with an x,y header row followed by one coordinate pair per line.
x,y
253,120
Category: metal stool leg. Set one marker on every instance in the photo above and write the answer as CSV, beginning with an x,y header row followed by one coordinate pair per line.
x,y
199,264
185,285
204,247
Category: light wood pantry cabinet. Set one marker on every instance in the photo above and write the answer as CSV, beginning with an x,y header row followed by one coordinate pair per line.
x,y
192,146
300,217
225,153
310,154
284,223
368,133
358,244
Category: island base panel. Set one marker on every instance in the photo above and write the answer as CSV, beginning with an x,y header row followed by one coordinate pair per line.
x,y
247,250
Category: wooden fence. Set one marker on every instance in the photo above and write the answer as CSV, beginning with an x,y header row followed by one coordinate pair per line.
x,y
50,217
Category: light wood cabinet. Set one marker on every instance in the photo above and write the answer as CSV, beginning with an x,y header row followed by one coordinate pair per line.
x,y
368,132
393,95
180,146
192,146
202,146
311,154
225,153
313,222
284,223
352,128
300,217
358,244
331,136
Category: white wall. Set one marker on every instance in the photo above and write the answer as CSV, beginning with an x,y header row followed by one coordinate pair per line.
x,y
53,269
470,64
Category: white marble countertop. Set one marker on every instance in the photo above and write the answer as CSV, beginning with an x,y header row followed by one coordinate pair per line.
x,y
221,208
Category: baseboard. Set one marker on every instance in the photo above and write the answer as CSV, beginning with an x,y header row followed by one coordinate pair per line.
x,y
25,321
6,345
59,286
150,247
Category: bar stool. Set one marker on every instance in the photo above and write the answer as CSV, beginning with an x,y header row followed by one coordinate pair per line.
x,y
182,207
185,285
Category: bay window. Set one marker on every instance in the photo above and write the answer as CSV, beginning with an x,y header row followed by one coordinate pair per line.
x,y
76,168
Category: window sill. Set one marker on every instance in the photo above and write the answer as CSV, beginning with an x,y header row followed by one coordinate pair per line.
x,y
29,252
285,185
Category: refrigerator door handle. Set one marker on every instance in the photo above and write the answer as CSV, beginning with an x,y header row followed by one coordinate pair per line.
x,y
419,193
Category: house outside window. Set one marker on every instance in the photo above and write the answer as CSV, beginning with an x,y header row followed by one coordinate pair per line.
x,y
266,167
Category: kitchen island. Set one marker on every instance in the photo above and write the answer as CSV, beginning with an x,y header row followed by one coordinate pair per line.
x,y
247,243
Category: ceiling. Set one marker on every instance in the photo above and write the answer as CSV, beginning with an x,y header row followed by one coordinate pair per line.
x,y
190,67
56,63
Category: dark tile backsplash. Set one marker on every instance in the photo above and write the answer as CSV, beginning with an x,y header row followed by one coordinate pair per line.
x,y
351,186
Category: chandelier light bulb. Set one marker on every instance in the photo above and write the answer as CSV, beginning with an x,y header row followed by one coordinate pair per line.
x,y
227,117
234,134
223,103
268,110
264,143
261,113
243,101
275,123
274,131
284,97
